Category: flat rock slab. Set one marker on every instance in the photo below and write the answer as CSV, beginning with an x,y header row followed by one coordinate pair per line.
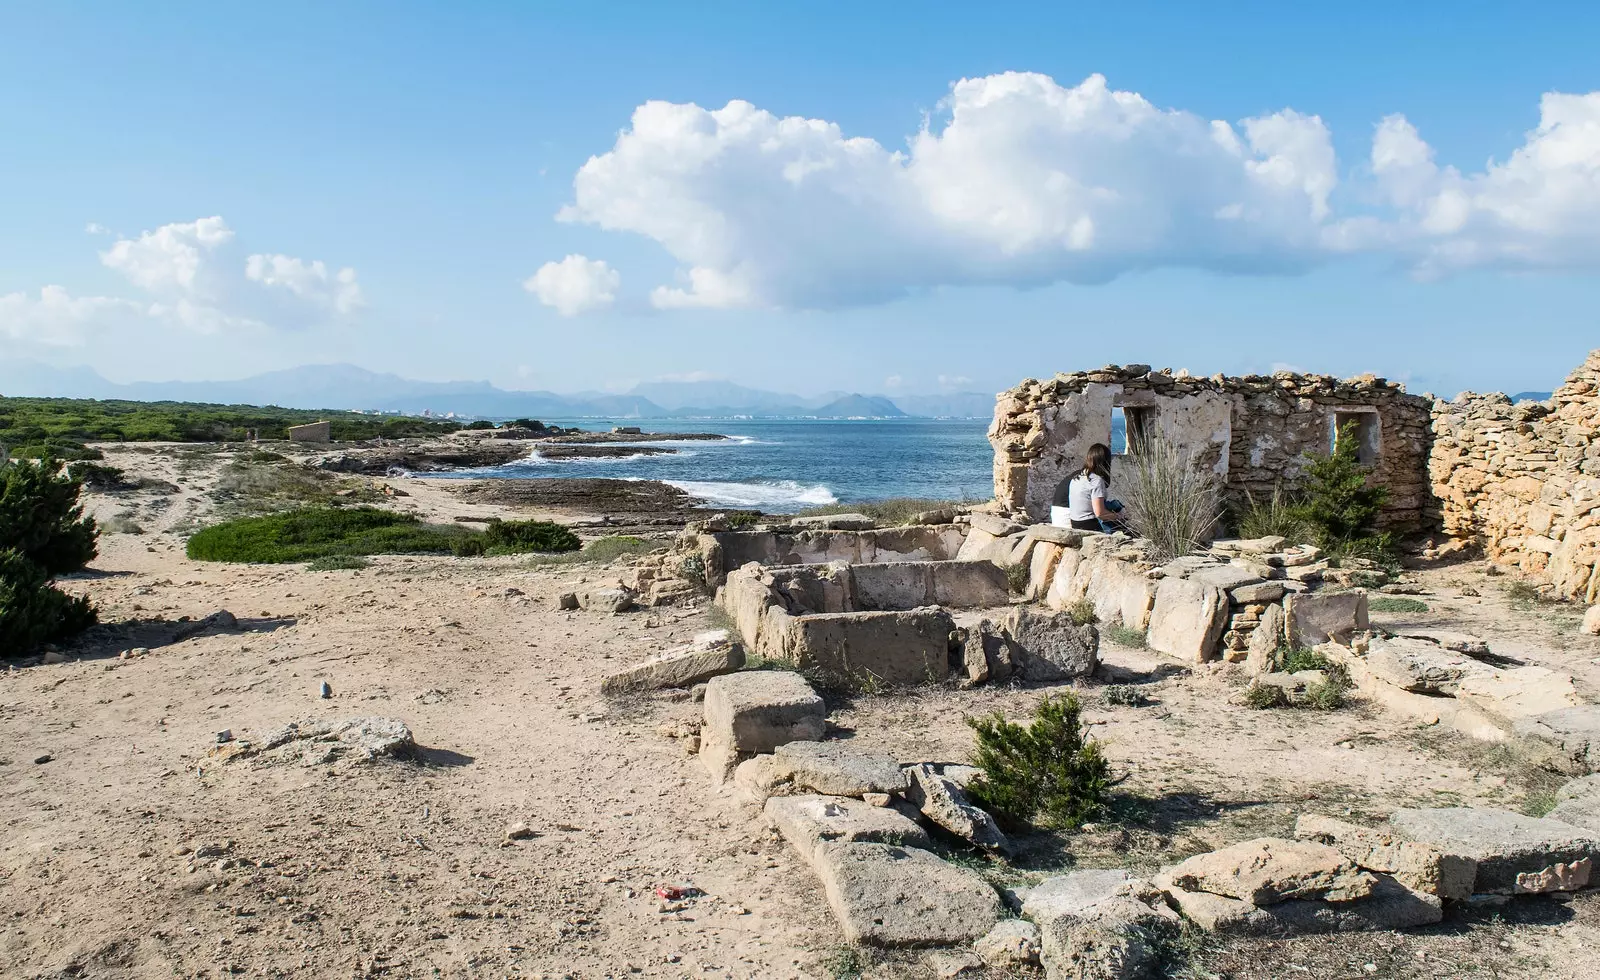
x,y
838,769
1584,812
834,522
1421,666
1574,734
1225,577
1066,537
1260,592
349,741
887,895
1391,906
811,822
759,710
943,801
1420,867
1515,854
1269,870
708,655
1012,942
1517,693
1073,892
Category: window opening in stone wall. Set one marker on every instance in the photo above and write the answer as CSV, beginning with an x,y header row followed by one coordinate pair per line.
x,y
1119,432
1365,428
1141,424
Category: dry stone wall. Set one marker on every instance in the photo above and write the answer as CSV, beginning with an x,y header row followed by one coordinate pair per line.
x,y
1255,432
1523,480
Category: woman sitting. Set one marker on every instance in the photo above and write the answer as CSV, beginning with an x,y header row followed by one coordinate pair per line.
x,y
1080,501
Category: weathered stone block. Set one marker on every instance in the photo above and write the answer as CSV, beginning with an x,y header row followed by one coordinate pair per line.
x,y
1514,854
1420,666
1420,867
945,803
1187,620
878,647
887,895
1269,870
838,769
759,710
708,655
1573,735
1317,617
1391,906
810,822
1051,647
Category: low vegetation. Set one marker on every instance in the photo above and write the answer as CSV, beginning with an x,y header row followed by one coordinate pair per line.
x,y
602,550
1125,636
1048,773
43,533
305,535
1337,510
1169,499
1082,612
334,563
59,427
1017,578
894,511
1396,604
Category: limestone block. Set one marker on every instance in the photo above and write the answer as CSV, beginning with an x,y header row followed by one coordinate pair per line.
x,y
759,710
1514,854
1582,811
887,895
1262,649
1573,733
1187,620
1420,666
810,822
1317,617
1011,943
1420,867
1050,646
834,522
946,804
757,779
884,647
894,585
1259,592
1111,939
1041,568
1064,537
1073,892
993,524
838,768
706,656
968,585
1510,695
1269,870
1391,906
1224,577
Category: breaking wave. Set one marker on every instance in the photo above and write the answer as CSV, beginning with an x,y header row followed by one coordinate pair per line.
x,y
778,496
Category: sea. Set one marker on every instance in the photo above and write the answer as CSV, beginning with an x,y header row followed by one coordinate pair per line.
x,y
785,465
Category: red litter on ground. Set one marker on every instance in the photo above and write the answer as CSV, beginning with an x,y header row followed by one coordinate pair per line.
x,y
671,893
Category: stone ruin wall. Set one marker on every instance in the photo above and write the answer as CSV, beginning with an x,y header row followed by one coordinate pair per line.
x,y
1255,432
1523,481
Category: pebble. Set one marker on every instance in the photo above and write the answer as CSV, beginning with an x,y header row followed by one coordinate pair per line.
x,y
325,690
42,759
520,831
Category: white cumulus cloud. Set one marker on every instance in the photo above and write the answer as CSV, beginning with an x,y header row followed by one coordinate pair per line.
x,y
577,284
1025,182
171,257
1020,180
57,318
311,281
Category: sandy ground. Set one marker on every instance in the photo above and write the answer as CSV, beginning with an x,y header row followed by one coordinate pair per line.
x,y
133,852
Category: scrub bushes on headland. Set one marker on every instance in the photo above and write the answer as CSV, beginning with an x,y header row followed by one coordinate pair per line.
x,y
43,533
313,533
59,427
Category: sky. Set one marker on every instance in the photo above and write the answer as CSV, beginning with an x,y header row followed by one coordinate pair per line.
x,y
804,197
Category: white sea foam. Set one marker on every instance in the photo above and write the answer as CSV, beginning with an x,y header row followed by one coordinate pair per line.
x,y
776,496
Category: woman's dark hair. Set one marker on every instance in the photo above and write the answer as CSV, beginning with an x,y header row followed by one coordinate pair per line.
x,y
1098,460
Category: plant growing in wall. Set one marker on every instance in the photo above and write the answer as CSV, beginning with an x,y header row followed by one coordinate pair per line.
x,y
1341,499
1048,772
1169,499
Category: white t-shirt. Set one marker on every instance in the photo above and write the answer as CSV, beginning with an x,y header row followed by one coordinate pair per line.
x,y
1081,493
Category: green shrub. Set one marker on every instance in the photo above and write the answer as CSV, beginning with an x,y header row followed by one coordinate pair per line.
x,y
469,546
303,535
1293,659
334,563
1330,694
1048,772
1082,612
43,533
1171,499
1126,695
1264,696
40,517
738,520
517,537
479,425
1396,604
1017,578
1340,500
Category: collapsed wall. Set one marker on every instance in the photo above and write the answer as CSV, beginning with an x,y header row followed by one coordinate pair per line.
x,y
1523,480
1256,433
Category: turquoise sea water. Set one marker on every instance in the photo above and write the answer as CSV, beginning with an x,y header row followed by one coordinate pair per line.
x,y
786,465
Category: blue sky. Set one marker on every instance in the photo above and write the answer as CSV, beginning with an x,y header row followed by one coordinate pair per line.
x,y
1046,222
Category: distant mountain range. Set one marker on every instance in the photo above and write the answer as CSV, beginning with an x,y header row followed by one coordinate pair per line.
x,y
1532,396
344,386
